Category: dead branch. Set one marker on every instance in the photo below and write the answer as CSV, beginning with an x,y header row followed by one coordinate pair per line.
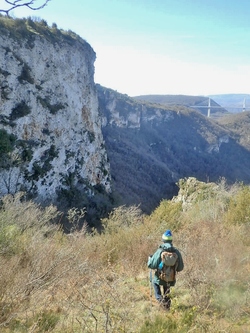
x,y
21,3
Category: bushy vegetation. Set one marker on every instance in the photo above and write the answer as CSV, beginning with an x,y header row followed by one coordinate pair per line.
x,y
99,282
28,28
6,142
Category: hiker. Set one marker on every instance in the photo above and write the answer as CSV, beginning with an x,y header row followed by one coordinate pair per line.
x,y
165,276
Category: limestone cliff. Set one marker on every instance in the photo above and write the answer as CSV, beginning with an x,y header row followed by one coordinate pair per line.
x,y
152,146
48,112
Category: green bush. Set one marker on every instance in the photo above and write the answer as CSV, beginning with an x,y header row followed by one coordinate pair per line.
x,y
160,324
239,208
168,213
26,75
6,142
53,108
20,110
9,238
46,321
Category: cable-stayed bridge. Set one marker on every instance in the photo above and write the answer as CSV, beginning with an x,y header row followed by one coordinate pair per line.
x,y
209,107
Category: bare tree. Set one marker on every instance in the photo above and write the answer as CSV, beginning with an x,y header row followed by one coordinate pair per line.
x,y
22,3
11,168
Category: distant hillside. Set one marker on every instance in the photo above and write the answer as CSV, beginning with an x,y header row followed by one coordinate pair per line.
x,y
151,146
232,102
238,124
200,103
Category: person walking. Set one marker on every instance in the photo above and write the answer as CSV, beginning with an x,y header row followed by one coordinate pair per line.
x,y
167,260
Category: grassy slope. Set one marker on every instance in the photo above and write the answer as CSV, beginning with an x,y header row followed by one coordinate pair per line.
x,y
100,282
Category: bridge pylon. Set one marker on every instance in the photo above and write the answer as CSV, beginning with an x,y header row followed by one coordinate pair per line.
x,y
209,107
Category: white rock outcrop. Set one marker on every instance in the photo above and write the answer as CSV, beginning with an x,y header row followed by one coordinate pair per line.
x,y
49,103
123,111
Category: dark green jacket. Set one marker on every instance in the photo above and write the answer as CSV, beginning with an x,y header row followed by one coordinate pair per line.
x,y
155,260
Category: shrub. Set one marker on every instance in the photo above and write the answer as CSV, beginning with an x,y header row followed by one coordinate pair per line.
x,y
120,218
25,74
239,208
160,324
15,219
9,238
168,213
20,110
46,321
53,108
88,281
6,142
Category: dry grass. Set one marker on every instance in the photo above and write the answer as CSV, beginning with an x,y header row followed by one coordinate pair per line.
x,y
51,282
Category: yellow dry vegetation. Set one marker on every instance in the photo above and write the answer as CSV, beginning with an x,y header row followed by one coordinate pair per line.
x,y
99,282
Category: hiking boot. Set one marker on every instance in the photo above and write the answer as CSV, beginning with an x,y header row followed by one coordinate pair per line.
x,y
164,306
166,303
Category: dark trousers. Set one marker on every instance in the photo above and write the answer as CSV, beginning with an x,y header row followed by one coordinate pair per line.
x,y
162,298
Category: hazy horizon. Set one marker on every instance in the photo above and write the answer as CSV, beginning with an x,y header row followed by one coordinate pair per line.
x,y
161,47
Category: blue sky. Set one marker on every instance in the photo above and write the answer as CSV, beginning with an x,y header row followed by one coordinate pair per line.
x,y
192,47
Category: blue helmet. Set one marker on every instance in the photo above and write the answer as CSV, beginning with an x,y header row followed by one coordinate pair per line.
x,y
167,236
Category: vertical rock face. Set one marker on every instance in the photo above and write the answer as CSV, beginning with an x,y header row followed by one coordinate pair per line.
x,y
152,146
49,113
126,112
